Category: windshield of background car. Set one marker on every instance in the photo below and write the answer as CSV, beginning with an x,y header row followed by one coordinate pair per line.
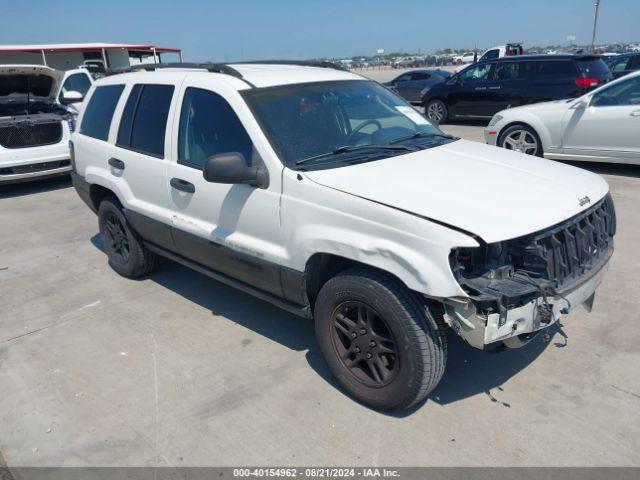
x,y
307,120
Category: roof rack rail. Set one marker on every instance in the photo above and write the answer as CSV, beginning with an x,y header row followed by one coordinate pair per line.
x,y
210,67
300,63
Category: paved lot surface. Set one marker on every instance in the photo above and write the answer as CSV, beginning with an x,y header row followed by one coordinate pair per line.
x,y
176,369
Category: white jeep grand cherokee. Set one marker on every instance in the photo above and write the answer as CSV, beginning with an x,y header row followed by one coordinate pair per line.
x,y
328,195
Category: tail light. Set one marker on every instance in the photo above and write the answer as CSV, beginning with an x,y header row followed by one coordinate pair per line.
x,y
587,82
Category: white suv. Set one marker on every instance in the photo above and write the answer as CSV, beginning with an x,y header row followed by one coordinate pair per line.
x,y
326,194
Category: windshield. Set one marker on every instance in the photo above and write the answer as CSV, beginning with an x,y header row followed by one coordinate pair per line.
x,y
320,125
24,94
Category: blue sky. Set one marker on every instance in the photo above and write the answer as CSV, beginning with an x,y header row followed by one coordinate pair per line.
x,y
254,29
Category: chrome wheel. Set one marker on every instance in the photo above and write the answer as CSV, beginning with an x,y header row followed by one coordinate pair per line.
x,y
436,111
521,141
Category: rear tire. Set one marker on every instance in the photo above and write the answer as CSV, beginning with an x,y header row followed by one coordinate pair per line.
x,y
127,255
436,111
379,340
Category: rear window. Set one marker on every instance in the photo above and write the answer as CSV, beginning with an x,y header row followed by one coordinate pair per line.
x,y
594,68
144,120
555,67
98,113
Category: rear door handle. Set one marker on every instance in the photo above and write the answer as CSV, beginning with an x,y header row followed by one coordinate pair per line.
x,y
182,185
635,113
494,88
115,163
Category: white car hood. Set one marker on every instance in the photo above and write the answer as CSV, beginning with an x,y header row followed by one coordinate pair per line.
x,y
35,70
494,193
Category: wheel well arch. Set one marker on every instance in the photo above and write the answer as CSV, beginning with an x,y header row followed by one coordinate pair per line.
x,y
321,267
442,99
97,193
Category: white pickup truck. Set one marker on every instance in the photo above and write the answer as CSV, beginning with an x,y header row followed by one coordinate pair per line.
x,y
326,194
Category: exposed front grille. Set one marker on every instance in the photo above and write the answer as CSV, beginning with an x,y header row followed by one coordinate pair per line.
x,y
565,252
30,135
34,167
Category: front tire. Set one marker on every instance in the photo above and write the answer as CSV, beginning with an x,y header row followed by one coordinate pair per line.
x,y
127,255
436,111
521,138
381,343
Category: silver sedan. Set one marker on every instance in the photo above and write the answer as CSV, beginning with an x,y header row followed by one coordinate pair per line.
x,y
601,126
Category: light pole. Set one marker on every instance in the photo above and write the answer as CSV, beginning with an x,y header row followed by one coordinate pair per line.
x,y
595,23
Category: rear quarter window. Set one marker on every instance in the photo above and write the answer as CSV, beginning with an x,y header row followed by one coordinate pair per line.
x,y
555,67
99,112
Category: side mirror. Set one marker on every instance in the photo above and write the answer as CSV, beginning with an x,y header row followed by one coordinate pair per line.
x,y
232,168
72,96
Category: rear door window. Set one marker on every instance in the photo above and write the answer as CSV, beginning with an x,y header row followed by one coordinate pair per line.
x,y
99,112
144,119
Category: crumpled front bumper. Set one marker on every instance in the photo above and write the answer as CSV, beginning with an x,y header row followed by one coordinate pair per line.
x,y
480,330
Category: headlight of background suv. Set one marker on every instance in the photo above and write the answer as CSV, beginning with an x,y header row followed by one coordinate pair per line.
x,y
494,120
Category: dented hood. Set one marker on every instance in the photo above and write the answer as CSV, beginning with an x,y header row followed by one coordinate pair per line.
x,y
491,192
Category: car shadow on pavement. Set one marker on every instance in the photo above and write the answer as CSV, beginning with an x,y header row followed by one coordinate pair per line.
x,y
618,169
13,190
469,371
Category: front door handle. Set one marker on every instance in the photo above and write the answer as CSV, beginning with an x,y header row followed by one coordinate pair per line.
x,y
182,185
635,113
480,88
115,163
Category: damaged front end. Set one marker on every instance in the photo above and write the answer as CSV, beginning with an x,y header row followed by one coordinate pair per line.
x,y
520,286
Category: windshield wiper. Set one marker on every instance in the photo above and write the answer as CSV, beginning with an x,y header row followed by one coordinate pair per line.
x,y
422,135
355,148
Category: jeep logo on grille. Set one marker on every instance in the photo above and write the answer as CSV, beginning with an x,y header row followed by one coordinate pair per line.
x,y
584,200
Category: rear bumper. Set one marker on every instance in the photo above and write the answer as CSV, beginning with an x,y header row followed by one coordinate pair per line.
x,y
480,330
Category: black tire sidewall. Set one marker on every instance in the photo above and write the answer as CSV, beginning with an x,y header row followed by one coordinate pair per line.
x,y
130,268
348,288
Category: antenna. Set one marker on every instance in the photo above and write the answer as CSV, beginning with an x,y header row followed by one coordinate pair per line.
x,y
595,24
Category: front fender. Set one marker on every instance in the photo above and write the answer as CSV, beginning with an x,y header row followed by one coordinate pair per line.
x,y
318,219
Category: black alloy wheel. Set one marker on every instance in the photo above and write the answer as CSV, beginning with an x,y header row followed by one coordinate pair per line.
x,y
364,343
